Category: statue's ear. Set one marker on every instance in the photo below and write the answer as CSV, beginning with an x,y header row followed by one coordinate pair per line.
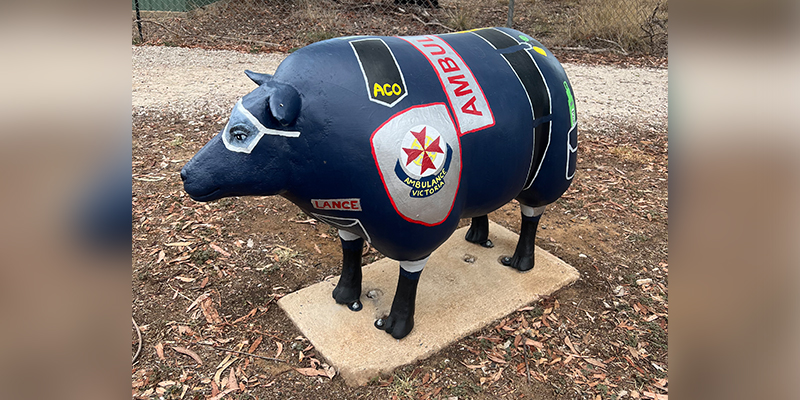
x,y
284,103
259,79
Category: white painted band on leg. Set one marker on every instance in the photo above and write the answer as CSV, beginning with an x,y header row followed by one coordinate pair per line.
x,y
414,266
531,211
347,236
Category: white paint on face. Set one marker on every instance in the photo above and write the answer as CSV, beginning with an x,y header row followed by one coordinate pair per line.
x,y
243,130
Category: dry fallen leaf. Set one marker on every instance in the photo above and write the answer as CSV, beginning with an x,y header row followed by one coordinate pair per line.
x,y
222,394
534,343
569,344
255,344
179,244
280,349
330,372
493,378
651,395
244,317
232,383
185,330
481,365
496,359
219,250
227,362
185,279
596,362
211,314
326,371
189,353
310,221
308,371
197,301
179,259
160,350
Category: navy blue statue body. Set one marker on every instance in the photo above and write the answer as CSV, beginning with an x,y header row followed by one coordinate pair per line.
x,y
392,140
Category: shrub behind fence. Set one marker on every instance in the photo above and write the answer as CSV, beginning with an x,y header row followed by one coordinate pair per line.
x,y
624,26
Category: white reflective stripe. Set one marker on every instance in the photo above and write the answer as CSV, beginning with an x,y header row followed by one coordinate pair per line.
x,y
414,266
262,130
347,236
529,211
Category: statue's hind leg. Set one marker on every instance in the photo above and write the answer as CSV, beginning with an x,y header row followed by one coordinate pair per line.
x,y
522,259
479,231
348,290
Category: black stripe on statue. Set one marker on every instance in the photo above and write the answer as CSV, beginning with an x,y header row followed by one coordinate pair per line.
x,y
384,80
532,81
498,39
542,135
528,72
535,87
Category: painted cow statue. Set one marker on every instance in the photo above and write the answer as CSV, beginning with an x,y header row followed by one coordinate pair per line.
x,y
392,140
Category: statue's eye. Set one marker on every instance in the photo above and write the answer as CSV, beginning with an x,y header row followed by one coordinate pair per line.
x,y
238,135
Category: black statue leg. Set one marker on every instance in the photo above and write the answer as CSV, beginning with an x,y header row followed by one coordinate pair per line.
x,y
479,231
401,318
522,259
348,290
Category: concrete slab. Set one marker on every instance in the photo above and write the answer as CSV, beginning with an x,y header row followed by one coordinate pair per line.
x,y
454,299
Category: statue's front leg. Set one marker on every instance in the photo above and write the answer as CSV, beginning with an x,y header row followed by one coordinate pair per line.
x,y
400,320
479,231
522,259
348,290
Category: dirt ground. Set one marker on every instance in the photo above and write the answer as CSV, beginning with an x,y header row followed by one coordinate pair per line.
x,y
206,277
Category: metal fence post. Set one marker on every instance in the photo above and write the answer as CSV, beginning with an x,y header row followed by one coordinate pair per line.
x,y
138,21
510,13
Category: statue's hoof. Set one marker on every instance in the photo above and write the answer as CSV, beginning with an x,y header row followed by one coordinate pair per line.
x,y
521,264
355,306
397,327
346,295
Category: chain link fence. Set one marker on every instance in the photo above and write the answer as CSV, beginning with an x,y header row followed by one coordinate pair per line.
x,y
623,26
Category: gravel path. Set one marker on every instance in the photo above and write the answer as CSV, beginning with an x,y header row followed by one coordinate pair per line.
x,y
191,82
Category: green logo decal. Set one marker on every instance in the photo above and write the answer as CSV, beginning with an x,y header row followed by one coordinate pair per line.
x,y
571,102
